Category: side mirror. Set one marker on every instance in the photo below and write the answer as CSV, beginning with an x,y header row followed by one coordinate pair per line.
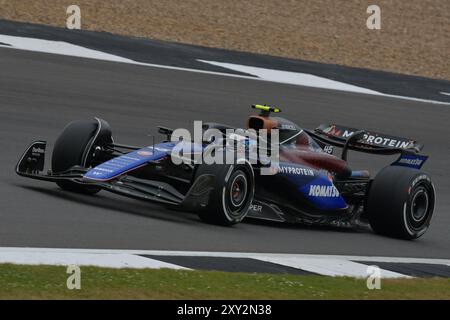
x,y
165,131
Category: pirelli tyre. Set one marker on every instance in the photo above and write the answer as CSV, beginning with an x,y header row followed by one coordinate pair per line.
x,y
75,147
231,195
400,203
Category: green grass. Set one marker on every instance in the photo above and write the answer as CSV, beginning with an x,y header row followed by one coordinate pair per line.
x,y
49,282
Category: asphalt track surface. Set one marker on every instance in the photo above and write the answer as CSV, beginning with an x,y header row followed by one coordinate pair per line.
x,y
187,56
40,93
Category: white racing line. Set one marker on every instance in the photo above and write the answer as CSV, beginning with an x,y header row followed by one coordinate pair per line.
x,y
295,78
261,74
68,49
330,265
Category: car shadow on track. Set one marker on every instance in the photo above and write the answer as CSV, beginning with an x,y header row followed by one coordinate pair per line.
x,y
164,213
139,208
298,226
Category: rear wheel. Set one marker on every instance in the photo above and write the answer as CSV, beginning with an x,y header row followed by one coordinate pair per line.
x,y
401,202
232,193
75,146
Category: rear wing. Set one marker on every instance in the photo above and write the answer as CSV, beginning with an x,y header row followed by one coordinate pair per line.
x,y
370,142
367,141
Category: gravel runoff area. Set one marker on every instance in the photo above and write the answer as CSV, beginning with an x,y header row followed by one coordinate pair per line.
x,y
414,37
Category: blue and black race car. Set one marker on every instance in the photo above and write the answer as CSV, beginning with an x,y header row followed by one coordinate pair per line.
x,y
309,185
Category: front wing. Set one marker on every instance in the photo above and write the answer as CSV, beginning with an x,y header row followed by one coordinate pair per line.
x,y
31,165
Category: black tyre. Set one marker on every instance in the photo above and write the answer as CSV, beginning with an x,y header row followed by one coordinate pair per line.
x,y
75,146
401,202
232,194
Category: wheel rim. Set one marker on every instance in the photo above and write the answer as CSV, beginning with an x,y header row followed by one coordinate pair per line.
x,y
238,191
419,205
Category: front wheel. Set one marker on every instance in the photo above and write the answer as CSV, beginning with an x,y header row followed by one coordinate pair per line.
x,y
232,193
401,202
75,146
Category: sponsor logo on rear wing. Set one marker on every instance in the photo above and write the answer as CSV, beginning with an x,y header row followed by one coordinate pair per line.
x,y
370,138
415,161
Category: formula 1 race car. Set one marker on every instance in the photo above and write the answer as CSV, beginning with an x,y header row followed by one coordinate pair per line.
x,y
308,185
